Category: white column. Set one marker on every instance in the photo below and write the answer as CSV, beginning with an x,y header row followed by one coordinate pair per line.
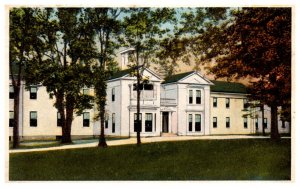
x,y
206,110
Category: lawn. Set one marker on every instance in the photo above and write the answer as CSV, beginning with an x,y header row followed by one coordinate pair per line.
x,y
243,159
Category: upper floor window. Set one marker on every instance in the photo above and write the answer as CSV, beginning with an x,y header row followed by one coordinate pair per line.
x,y
245,123
227,122
86,91
59,120
190,96
198,97
148,122
86,119
215,122
265,123
11,92
113,94
146,87
11,118
227,102
33,119
33,91
215,102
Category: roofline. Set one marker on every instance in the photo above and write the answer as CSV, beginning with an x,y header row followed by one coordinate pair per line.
x,y
144,69
194,72
127,49
217,92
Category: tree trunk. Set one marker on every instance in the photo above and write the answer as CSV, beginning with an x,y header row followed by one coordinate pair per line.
x,y
138,133
274,123
102,141
263,117
66,134
16,137
61,110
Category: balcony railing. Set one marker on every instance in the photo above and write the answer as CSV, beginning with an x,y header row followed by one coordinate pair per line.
x,y
168,101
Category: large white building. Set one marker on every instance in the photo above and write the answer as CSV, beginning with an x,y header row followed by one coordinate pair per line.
x,y
184,104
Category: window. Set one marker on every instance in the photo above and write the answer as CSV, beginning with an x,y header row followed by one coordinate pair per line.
x,y
265,123
106,121
135,86
33,119
198,97
59,120
190,122
148,87
137,125
190,96
246,104
197,122
113,94
215,122
215,102
113,121
227,102
86,119
256,123
227,122
245,123
11,118
282,124
86,91
33,91
148,122
11,92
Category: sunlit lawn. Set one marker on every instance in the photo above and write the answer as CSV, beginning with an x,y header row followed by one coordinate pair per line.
x,y
244,159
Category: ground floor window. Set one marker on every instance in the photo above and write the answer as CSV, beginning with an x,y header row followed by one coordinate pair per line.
x,y
86,119
194,122
106,121
265,123
113,120
215,122
148,122
33,119
256,123
227,122
11,118
137,124
282,124
190,122
197,122
245,123
59,120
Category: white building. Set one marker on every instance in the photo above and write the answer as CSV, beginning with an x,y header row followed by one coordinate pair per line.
x,y
184,104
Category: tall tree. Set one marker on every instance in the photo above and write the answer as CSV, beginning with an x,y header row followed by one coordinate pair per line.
x,y
143,29
258,44
61,60
21,21
107,28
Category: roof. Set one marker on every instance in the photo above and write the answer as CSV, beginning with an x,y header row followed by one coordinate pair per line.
x,y
120,73
177,77
229,87
125,72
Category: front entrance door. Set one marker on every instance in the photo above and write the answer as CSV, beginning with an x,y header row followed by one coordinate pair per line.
x,y
165,122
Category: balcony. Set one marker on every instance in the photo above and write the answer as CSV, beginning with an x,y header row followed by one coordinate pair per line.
x,y
168,102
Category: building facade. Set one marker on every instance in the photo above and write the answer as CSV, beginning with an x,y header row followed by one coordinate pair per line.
x,y
184,104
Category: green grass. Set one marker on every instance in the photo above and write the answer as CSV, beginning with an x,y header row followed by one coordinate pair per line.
x,y
244,159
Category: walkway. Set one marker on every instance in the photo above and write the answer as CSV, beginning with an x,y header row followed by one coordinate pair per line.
x,y
133,141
